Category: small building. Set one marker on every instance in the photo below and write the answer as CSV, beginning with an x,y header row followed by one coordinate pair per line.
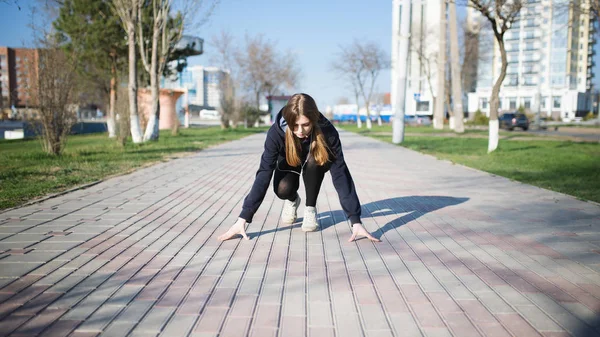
x,y
275,104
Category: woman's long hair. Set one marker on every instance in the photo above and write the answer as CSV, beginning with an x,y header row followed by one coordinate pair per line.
x,y
303,105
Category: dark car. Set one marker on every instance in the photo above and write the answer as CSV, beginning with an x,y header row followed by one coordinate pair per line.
x,y
511,120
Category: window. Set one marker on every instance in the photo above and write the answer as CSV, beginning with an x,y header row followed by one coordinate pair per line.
x,y
423,106
483,103
529,80
512,103
527,102
543,102
556,102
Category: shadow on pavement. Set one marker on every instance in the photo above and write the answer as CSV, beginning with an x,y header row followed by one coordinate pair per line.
x,y
406,208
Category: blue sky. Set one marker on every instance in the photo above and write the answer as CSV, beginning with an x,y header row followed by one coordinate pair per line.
x,y
312,30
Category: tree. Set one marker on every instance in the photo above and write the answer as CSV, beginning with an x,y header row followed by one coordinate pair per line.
x,y
16,2
92,29
470,56
225,52
500,14
455,70
426,56
127,10
361,63
438,113
54,92
263,70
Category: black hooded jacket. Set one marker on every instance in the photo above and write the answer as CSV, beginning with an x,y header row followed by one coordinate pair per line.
x,y
275,149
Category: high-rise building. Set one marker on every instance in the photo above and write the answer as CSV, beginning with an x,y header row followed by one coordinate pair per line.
x,y
549,50
422,57
202,84
18,71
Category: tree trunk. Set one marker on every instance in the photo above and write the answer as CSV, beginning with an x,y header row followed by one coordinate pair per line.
x,y
110,121
438,114
358,121
136,133
455,68
494,100
369,123
152,126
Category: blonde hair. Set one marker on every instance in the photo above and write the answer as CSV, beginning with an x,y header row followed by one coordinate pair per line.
x,y
304,105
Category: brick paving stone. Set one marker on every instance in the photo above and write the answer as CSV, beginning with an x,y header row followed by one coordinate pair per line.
x,y
455,243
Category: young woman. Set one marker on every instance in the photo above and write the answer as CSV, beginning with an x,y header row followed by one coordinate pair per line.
x,y
301,142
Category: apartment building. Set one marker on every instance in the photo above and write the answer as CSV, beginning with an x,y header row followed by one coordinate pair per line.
x,y
18,71
550,52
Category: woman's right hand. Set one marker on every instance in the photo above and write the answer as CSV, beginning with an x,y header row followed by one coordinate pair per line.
x,y
238,228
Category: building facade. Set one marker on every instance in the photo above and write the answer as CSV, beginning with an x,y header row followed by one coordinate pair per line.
x,y
18,71
422,74
550,52
202,85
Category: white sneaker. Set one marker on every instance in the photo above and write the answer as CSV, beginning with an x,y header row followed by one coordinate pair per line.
x,y
288,215
309,224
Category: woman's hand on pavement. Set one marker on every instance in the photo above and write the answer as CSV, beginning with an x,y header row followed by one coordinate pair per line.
x,y
238,228
358,231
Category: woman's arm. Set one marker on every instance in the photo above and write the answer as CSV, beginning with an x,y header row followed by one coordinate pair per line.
x,y
344,185
342,180
263,179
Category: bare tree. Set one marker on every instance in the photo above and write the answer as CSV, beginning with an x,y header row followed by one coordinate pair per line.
x,y
54,94
343,100
225,57
500,14
455,70
346,65
127,10
361,63
438,113
426,56
166,30
262,70
470,58
16,2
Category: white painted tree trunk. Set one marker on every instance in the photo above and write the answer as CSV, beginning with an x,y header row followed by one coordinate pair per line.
x,y
493,135
111,126
456,121
379,121
136,133
152,126
369,123
110,120
438,114
358,122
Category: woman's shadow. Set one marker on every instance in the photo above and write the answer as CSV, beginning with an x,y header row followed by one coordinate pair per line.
x,y
402,209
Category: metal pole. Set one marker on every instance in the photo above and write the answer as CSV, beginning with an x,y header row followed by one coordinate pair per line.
x,y
401,66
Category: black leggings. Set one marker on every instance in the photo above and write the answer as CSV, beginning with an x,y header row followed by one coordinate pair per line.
x,y
286,183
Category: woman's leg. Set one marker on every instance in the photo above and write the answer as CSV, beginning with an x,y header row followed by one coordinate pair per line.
x,y
286,184
313,175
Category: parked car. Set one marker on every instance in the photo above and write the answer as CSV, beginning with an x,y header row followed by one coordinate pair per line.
x,y
512,120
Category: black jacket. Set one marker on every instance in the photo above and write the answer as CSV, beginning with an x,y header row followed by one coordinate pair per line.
x,y
275,148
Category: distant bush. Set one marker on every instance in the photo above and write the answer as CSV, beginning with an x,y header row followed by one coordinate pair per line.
x,y
480,119
589,116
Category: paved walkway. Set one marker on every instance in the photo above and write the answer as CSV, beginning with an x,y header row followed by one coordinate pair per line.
x,y
464,253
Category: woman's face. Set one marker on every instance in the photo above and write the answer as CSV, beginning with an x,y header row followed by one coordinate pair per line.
x,y
303,127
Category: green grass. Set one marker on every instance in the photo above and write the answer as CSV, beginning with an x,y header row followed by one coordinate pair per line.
x,y
564,166
26,172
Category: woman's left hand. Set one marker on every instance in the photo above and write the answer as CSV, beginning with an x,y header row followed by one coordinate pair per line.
x,y
358,231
